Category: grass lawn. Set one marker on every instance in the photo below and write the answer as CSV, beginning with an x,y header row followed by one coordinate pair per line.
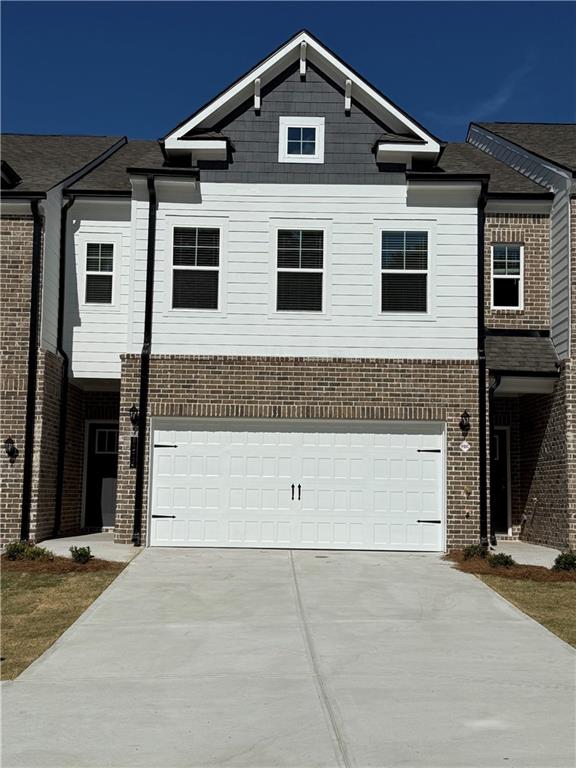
x,y
41,600
552,603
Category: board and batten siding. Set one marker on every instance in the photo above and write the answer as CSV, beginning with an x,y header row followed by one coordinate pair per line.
x,y
96,335
351,325
560,182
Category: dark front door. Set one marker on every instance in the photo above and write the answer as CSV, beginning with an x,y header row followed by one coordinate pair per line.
x,y
101,469
499,485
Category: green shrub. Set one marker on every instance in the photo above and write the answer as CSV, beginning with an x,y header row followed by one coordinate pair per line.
x,y
565,562
501,559
474,550
23,550
81,554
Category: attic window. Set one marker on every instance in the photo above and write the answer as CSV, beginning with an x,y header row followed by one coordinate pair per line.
x,y
301,140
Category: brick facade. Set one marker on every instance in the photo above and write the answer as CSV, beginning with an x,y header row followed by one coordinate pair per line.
x,y
533,232
16,236
311,388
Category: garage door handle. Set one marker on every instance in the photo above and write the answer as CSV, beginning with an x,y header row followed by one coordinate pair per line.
x,y
164,445
292,491
429,450
172,517
428,521
299,491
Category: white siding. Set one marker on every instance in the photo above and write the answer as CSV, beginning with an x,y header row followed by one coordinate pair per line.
x,y
95,336
351,326
559,182
50,269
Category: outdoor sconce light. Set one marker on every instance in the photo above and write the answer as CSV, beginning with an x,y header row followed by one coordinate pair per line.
x,y
134,416
10,448
465,422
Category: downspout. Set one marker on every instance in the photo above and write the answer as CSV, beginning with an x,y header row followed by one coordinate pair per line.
x,y
491,392
145,363
482,473
32,371
65,368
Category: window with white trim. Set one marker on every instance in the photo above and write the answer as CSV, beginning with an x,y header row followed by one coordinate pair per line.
x,y
507,277
301,140
196,268
404,267
300,265
99,273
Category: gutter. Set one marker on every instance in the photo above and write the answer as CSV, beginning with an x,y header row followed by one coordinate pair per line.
x,y
32,370
145,362
491,392
63,418
482,463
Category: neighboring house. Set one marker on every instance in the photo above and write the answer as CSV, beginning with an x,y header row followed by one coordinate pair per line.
x,y
272,323
542,298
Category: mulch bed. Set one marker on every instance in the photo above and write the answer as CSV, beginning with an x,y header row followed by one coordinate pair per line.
x,y
533,572
58,565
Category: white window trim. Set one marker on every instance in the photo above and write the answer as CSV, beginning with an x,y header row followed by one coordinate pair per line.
x,y
102,238
520,307
194,222
301,224
300,122
408,225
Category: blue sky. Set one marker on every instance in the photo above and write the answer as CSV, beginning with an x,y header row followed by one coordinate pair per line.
x,y
138,68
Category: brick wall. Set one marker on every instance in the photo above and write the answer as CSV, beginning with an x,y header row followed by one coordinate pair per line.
x,y
533,232
249,387
15,273
46,437
544,461
571,389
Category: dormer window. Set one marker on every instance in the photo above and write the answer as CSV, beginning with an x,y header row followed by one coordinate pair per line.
x,y
301,140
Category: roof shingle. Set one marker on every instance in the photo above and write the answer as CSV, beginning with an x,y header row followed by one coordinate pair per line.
x,y
522,354
555,142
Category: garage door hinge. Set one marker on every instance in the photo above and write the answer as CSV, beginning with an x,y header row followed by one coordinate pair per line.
x,y
429,450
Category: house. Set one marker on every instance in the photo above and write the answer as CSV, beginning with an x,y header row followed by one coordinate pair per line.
x,y
289,323
536,492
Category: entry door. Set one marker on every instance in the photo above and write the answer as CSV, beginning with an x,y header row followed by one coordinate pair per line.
x,y
500,490
101,473
340,485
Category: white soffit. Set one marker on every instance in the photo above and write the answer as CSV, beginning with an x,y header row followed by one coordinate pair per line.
x,y
275,65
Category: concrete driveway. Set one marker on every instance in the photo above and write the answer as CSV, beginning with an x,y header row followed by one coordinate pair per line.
x,y
274,658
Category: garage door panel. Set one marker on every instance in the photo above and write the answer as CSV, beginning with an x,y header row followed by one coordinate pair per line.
x,y
356,485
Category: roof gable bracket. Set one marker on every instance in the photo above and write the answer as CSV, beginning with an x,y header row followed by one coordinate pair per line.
x,y
348,97
257,99
302,60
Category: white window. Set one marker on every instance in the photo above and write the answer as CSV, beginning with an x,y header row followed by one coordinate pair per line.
x,y
507,276
301,140
300,263
99,273
404,271
196,267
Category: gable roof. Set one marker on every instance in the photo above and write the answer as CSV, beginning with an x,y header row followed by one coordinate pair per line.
x,y
461,157
42,162
555,142
332,65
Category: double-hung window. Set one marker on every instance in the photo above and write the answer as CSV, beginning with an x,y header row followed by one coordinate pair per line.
x,y
300,265
196,266
507,268
99,273
404,272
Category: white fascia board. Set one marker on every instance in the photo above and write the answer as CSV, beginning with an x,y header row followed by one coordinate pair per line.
x,y
269,68
196,145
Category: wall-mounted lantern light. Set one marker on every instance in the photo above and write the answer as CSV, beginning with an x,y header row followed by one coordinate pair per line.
x,y
10,448
465,422
134,416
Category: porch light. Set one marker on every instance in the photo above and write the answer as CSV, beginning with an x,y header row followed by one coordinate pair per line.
x,y
10,448
465,422
134,414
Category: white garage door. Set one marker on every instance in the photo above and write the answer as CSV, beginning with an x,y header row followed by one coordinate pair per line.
x,y
300,484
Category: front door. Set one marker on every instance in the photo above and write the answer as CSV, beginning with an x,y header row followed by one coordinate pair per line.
x,y
101,472
500,491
